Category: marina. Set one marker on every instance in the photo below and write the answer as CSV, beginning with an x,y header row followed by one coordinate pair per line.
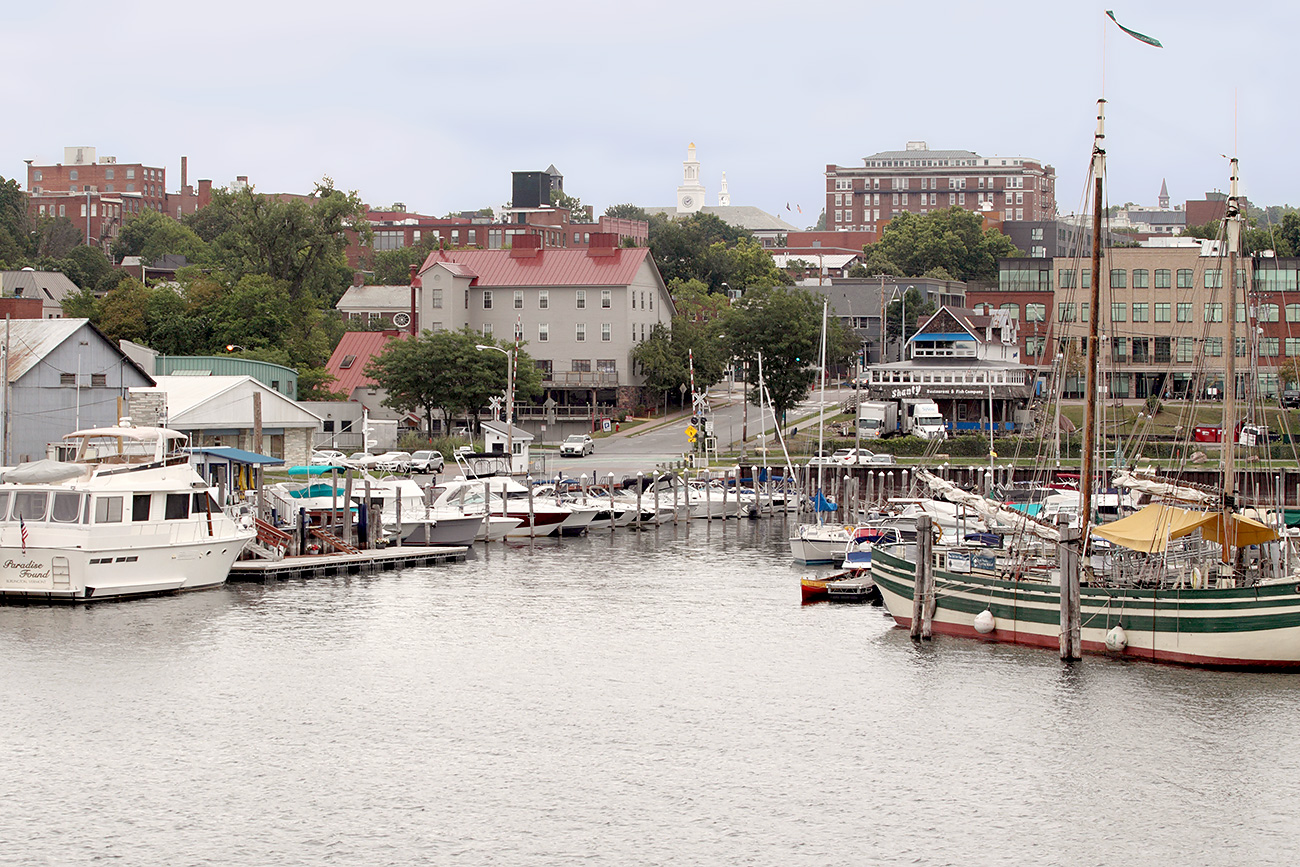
x,y
633,698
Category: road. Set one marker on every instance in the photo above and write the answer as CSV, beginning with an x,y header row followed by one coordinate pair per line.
x,y
659,443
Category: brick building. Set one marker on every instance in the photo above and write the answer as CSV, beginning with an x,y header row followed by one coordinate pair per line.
x,y
918,180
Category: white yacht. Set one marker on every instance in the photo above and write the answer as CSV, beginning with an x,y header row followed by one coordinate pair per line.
x,y
128,516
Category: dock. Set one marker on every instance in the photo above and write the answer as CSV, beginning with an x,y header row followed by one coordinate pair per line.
x,y
361,562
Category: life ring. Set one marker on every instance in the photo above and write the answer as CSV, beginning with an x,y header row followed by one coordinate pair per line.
x,y
850,529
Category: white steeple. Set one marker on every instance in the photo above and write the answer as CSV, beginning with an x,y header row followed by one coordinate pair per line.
x,y
690,195
724,197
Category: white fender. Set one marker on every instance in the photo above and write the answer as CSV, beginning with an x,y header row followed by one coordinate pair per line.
x,y
984,622
1116,639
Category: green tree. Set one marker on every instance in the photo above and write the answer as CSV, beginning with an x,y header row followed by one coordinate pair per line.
x,y
56,236
785,325
16,239
953,239
561,199
627,211
914,304
393,267
150,235
681,247
91,267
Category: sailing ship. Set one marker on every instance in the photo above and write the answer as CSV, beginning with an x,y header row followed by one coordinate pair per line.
x,y
1206,585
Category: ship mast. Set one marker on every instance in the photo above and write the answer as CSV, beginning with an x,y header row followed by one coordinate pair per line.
x,y
1094,319
1232,227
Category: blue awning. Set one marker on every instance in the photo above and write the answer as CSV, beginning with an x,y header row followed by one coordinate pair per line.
x,y
238,456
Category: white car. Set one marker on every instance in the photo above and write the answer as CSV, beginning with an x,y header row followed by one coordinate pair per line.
x,y
327,456
426,461
578,445
365,460
863,458
394,462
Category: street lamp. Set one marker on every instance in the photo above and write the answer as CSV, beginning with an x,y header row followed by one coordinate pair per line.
x,y
510,398
231,347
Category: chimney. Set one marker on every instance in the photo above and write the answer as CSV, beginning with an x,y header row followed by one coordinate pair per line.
x,y
205,193
416,285
185,172
602,244
525,246
358,279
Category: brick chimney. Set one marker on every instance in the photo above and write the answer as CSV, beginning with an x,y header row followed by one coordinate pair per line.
x,y
602,244
205,193
525,246
185,172
416,285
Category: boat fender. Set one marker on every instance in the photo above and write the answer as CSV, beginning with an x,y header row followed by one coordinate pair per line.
x,y
984,622
1197,581
850,529
1116,639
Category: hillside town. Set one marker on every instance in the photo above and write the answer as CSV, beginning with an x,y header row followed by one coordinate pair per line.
x,y
585,299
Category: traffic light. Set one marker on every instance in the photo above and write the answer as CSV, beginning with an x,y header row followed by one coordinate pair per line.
x,y
695,421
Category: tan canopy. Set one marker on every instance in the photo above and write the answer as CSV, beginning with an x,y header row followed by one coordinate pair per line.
x,y
1150,529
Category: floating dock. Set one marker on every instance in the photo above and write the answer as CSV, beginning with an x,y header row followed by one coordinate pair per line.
x,y
318,565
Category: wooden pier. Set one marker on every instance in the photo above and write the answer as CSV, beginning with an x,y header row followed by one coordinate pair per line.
x,y
360,562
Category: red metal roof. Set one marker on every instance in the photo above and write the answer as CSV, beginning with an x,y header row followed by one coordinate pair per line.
x,y
549,267
359,347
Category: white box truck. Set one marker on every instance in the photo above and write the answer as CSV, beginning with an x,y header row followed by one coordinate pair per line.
x,y
921,418
877,419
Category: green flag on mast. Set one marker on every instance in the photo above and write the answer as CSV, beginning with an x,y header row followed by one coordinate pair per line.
x,y
1141,37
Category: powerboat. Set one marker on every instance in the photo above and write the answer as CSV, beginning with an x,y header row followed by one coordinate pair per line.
x,y
127,516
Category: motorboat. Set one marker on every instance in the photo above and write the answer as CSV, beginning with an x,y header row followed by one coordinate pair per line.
x,y
504,497
127,516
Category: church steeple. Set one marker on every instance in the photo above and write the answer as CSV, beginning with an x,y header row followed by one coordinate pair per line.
x,y
724,197
690,195
1164,196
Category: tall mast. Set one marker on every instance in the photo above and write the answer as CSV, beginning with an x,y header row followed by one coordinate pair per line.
x,y
1094,318
822,414
1232,226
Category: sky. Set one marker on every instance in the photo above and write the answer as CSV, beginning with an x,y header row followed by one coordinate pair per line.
x,y
434,104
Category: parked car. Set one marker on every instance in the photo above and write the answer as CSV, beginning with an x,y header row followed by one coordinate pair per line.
x,y
863,458
823,460
426,461
364,460
394,462
579,445
1291,397
327,456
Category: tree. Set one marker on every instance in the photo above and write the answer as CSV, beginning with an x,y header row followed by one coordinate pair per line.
x,y
16,241
56,236
298,242
785,325
150,235
561,199
681,247
393,267
89,268
627,211
914,303
954,239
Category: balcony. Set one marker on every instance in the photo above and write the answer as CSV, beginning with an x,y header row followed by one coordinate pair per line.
x,y
581,379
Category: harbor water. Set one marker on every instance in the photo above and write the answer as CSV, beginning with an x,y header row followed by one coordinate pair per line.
x,y
629,698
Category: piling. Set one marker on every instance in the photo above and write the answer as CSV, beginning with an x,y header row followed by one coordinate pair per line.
x,y
638,501
531,520
397,514
923,586
1069,558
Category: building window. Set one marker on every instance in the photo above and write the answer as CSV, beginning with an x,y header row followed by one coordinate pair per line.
x,y
580,332
67,379
1118,278
1184,278
519,299
1162,278
1214,347
487,330
1118,311
1034,346
1242,348
1268,313
1065,311
1140,278
543,332
1213,278
1241,312
1162,312
1013,309
1293,313
1214,312
544,365
580,365
582,299
1035,312
543,299
606,331
1184,311
606,299
1268,347
1066,278
1293,346
1140,311
435,298
487,299
1118,349
1162,353
1140,350
99,380
1186,349
130,173
61,211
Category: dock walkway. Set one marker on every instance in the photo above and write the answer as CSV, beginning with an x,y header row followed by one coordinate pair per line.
x,y
316,565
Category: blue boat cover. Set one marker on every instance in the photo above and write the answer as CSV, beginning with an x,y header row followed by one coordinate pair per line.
x,y
821,504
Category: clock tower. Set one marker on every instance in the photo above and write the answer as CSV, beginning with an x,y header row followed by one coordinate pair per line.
x,y
690,195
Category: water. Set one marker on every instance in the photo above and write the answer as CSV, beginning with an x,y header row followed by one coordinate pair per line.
x,y
625,699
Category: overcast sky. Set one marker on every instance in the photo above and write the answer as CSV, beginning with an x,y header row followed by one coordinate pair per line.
x,y
434,104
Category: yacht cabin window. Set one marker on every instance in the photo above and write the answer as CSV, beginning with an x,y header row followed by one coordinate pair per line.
x,y
30,505
108,510
4,505
178,507
140,507
67,507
